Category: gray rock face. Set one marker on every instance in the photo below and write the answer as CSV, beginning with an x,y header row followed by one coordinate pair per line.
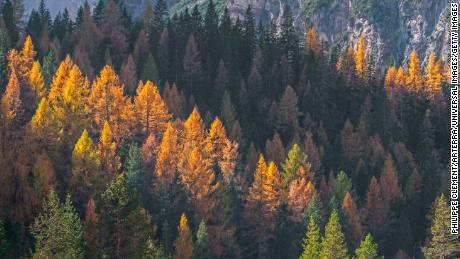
x,y
390,27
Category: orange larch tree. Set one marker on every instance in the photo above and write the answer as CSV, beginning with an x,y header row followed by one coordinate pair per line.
x,y
433,75
107,103
167,157
414,79
361,59
108,149
151,111
353,219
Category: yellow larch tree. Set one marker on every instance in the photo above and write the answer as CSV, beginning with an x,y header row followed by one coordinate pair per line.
x,y
59,79
414,79
273,188
167,157
151,111
69,105
36,82
228,163
390,83
28,54
45,127
311,41
400,78
183,245
194,133
216,141
86,177
350,58
433,74
360,59
107,103
108,149
198,176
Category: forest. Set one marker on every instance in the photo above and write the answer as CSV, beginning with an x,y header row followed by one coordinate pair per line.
x,y
195,135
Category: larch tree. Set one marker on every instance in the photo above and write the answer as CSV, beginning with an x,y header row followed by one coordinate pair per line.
x,y
167,157
216,141
70,105
433,75
151,110
376,209
59,79
312,151
274,149
229,162
86,177
198,178
312,241
45,127
400,77
299,197
194,133
333,244
107,148
184,243
414,79
389,181
368,249
288,112
311,42
361,59
353,219
128,76
440,242
57,231
44,178
191,62
91,227
107,103
36,83
12,107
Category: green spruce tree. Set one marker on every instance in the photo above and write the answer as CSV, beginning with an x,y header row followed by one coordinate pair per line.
x,y
368,249
312,241
334,243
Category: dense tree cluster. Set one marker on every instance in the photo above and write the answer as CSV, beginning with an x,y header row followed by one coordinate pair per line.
x,y
196,136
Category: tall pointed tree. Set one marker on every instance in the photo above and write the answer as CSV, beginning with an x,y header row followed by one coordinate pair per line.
x,y
440,242
312,241
368,249
151,110
108,149
334,243
184,243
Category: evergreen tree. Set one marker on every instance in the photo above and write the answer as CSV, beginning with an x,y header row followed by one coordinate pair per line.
x,y
150,70
4,244
440,242
312,241
184,243
334,243
57,230
133,168
294,161
49,68
368,249
201,247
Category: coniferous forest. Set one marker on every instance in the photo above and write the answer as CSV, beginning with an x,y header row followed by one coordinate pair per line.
x,y
195,135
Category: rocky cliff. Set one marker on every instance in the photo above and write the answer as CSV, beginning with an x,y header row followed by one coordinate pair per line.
x,y
392,28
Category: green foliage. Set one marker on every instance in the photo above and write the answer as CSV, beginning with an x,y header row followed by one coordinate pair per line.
x,y
124,219
312,241
341,186
441,243
152,251
49,68
4,244
57,230
314,211
334,243
296,158
368,249
133,168
201,248
150,70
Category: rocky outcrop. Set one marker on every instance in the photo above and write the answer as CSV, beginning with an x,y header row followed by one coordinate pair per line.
x,y
392,28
